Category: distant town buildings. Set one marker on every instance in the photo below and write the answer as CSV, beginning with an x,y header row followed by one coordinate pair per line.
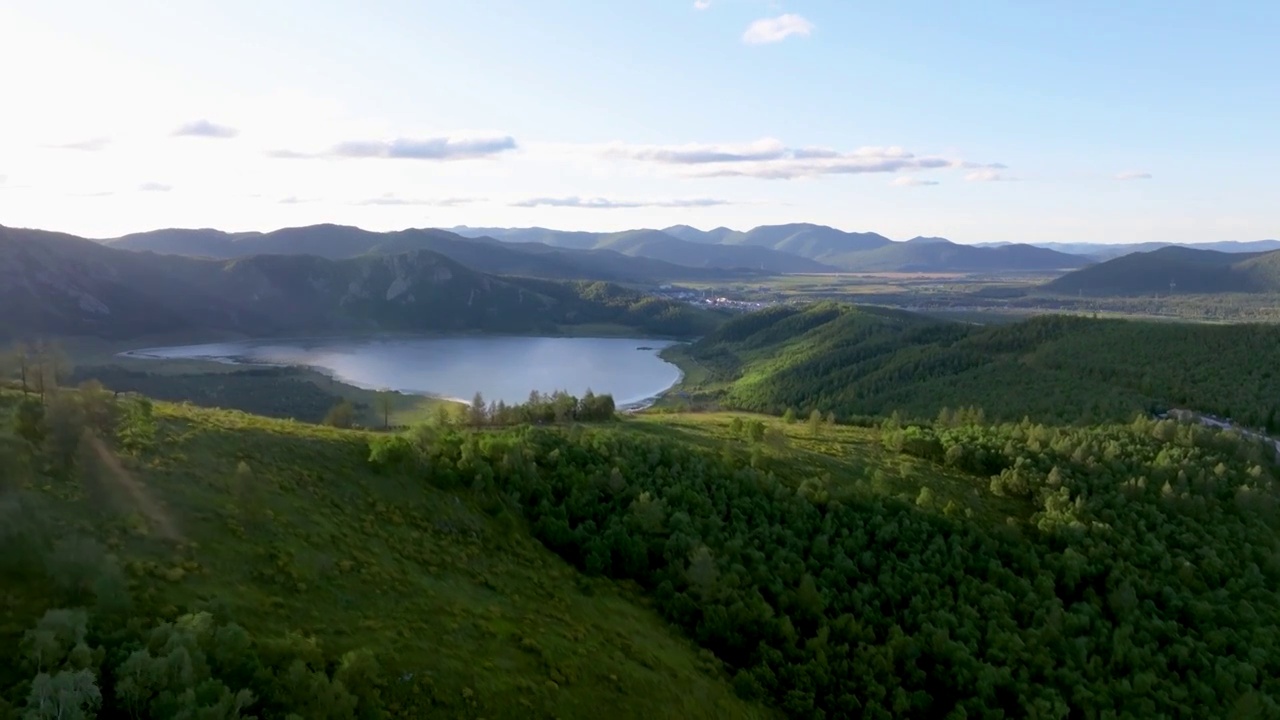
x,y
699,297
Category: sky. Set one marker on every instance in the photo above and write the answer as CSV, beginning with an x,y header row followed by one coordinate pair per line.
x,y
982,121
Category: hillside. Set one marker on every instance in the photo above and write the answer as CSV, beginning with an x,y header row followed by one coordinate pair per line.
x,y
1174,270
339,242
798,248
59,284
660,246
869,361
338,590
952,569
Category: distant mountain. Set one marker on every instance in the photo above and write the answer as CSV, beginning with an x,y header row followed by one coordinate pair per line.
x,y
52,283
1173,270
693,234
1099,251
337,242
939,255
817,242
798,248
660,245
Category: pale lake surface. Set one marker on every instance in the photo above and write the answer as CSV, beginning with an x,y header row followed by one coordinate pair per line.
x,y
501,368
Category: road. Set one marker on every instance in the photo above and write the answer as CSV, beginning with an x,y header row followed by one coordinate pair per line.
x,y
1214,422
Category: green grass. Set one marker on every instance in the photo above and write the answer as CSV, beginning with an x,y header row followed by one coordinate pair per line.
x,y
487,621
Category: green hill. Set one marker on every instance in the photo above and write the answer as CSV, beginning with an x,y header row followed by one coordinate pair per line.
x,y
1174,270
52,284
338,242
333,583
868,361
227,563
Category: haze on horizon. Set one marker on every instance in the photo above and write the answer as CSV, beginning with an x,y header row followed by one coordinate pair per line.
x,y
999,121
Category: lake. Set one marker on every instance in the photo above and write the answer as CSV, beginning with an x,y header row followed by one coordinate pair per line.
x,y
501,368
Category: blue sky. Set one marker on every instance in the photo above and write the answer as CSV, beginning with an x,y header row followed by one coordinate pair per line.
x,y
979,121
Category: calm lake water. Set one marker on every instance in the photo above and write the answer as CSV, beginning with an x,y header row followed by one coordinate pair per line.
x,y
501,368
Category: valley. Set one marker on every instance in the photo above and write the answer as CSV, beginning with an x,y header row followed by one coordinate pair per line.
x,y
360,478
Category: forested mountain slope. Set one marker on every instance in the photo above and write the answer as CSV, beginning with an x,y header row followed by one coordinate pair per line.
x,y
1175,270
52,284
868,361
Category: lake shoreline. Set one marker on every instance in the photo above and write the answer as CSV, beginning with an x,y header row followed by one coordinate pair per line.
x,y
608,363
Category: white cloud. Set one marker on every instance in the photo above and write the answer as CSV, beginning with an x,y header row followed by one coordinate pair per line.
x,y
433,148
772,30
769,158
607,204
90,145
701,4
154,187
990,174
1134,175
392,199
908,181
204,128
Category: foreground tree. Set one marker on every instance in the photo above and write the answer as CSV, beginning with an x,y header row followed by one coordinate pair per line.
x,y
385,400
68,695
477,412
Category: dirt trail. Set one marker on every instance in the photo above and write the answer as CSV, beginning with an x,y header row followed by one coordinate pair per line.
x,y
130,491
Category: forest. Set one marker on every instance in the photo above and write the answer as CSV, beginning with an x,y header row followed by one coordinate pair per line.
x,y
914,532
1116,570
871,361
1139,584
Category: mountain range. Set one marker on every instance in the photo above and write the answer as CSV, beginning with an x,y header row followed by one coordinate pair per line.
x,y
676,253
339,242
1097,251
800,247
1174,269
53,283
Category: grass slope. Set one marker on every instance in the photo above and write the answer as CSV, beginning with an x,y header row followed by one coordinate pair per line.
x,y
477,619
